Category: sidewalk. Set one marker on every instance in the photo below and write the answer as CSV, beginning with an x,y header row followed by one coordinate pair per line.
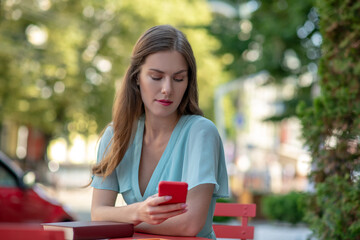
x,y
279,231
79,201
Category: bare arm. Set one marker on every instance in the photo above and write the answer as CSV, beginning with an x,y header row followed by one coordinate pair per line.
x,y
189,223
103,209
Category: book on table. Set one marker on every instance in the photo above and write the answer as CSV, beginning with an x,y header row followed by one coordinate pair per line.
x,y
91,229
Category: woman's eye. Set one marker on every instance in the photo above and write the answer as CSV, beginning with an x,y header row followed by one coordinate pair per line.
x,y
178,78
155,78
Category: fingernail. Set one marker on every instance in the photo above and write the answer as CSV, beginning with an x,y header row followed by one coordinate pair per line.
x,y
184,205
167,198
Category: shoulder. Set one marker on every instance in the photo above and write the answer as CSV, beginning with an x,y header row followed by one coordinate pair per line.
x,y
105,142
196,124
107,134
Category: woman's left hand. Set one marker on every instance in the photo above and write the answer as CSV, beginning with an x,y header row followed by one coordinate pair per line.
x,y
152,212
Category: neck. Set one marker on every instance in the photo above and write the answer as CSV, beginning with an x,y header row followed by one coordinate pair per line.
x,y
159,127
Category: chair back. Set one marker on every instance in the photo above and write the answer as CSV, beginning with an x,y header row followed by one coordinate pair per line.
x,y
243,211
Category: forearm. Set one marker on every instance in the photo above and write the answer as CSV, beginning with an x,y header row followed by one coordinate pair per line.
x,y
176,226
117,214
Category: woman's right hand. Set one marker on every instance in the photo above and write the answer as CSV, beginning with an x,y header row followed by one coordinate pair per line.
x,y
151,212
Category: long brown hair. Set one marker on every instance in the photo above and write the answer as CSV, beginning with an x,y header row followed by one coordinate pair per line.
x,y
128,106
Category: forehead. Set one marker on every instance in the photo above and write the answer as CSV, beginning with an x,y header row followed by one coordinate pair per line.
x,y
166,61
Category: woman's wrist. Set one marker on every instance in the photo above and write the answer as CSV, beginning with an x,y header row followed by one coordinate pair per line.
x,y
134,214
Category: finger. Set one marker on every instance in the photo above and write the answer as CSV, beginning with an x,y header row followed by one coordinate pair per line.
x,y
172,207
155,201
164,216
157,221
155,195
162,211
167,208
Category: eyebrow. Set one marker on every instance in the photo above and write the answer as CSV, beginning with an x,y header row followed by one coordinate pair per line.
x,y
159,71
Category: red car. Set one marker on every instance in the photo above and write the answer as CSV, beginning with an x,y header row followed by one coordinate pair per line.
x,y
21,202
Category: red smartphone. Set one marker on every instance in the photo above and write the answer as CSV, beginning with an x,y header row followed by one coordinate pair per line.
x,y
178,191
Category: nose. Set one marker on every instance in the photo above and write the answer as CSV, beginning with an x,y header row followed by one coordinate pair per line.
x,y
167,87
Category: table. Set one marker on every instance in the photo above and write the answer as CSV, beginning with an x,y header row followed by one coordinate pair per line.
x,y
15,231
158,237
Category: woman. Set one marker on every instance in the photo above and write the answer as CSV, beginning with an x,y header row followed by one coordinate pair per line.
x,y
158,133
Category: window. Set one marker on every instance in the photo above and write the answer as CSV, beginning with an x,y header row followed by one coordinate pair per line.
x,y
6,178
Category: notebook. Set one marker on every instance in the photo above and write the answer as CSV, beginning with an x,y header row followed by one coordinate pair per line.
x,y
78,230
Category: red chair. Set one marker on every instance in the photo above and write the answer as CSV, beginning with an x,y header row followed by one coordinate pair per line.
x,y
244,211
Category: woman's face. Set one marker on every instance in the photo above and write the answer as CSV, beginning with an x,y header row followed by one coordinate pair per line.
x,y
163,80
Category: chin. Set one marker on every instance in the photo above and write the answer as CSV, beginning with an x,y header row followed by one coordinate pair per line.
x,y
163,114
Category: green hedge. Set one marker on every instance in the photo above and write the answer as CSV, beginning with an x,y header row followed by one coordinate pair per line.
x,y
335,209
331,127
285,208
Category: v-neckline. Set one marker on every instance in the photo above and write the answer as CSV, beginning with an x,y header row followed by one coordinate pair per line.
x,y
159,166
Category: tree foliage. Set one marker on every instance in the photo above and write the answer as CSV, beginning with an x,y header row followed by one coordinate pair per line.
x,y
331,127
61,61
276,36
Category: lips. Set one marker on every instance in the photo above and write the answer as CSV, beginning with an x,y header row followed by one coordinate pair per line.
x,y
164,102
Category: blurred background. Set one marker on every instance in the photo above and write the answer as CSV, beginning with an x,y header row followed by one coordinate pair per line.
x,y
62,60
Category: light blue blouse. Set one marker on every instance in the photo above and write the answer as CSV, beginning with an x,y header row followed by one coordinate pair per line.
x,y
194,154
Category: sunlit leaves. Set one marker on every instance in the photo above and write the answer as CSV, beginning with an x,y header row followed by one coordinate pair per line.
x,y
60,61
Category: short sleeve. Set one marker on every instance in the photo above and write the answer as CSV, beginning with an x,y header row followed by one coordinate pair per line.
x,y
204,159
110,182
